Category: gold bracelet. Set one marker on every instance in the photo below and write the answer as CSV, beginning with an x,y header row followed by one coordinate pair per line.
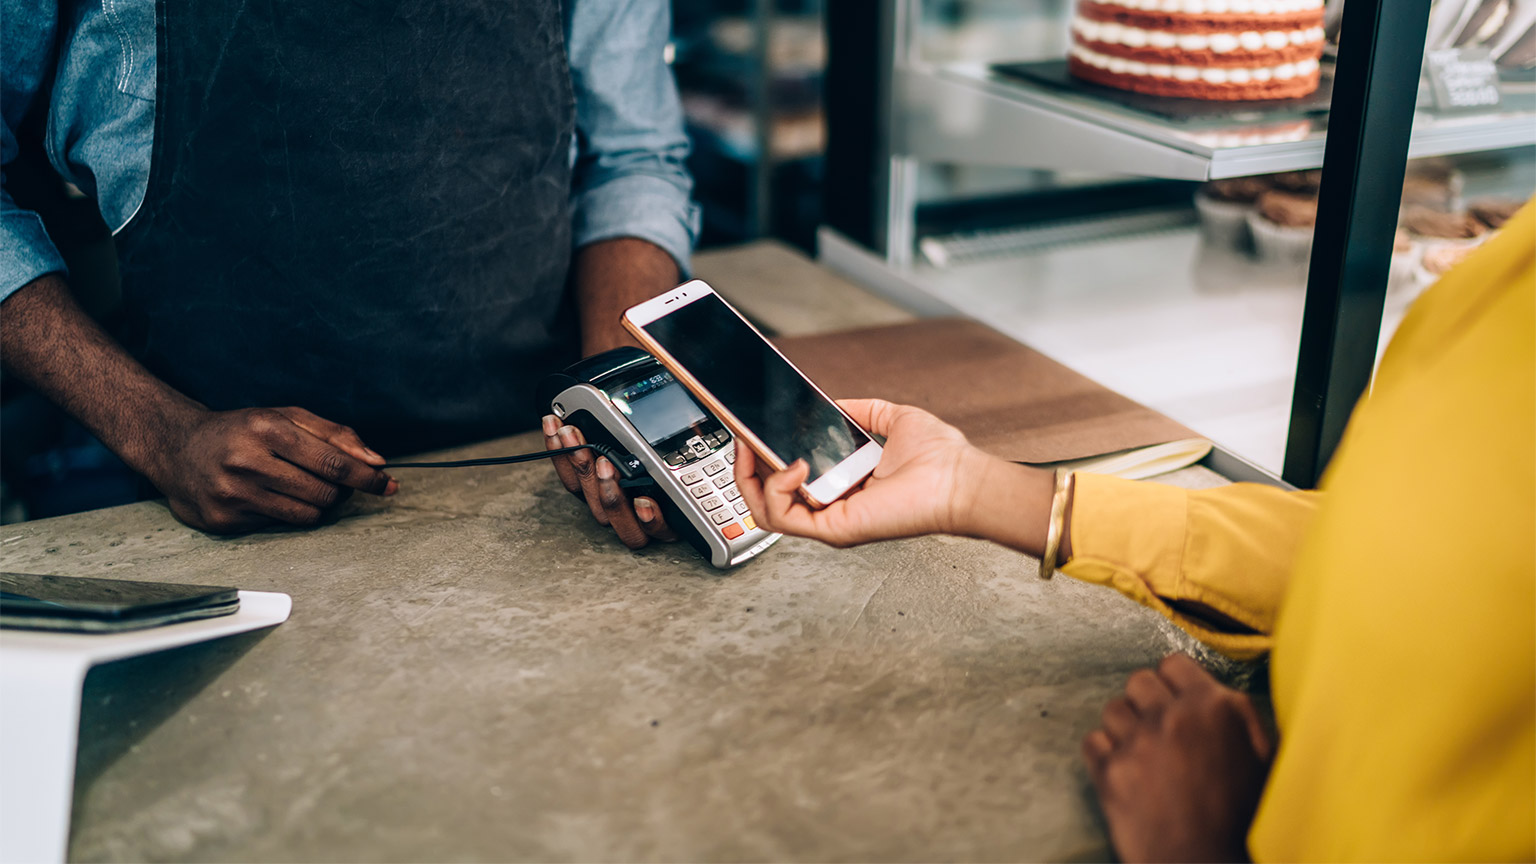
x,y
1058,524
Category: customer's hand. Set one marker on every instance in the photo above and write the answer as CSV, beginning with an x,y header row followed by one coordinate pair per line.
x,y
926,482
594,480
230,471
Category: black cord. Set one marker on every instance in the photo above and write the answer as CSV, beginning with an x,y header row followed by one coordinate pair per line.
x,y
499,460
629,468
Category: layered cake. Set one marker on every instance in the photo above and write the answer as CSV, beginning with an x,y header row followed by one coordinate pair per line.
x,y
1200,49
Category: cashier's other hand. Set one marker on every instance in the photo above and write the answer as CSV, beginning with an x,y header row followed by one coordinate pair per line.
x,y
594,480
921,486
230,471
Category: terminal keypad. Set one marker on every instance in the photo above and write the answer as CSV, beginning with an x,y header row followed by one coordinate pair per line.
x,y
703,463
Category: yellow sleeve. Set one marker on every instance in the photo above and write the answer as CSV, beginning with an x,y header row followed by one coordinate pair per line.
x,y
1229,549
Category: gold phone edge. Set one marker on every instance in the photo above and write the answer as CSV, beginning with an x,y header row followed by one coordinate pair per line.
x,y
729,419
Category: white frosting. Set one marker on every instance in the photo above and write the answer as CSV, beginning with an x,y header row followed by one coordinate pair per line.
x,y
1222,43
1209,74
1220,7
1242,138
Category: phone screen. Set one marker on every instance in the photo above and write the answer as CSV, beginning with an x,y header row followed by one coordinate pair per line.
x,y
752,381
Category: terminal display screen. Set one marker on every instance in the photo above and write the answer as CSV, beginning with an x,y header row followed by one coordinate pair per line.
x,y
659,407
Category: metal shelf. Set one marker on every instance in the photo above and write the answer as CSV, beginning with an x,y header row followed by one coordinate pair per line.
x,y
965,113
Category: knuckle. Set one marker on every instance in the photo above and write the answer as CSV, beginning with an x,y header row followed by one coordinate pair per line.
x,y
1142,680
263,421
1174,662
239,459
225,491
611,497
326,495
305,516
332,465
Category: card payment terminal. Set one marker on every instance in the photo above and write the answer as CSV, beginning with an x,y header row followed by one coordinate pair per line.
x,y
627,400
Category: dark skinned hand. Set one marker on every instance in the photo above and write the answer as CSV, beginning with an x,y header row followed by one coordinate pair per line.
x,y
594,480
230,471
1179,765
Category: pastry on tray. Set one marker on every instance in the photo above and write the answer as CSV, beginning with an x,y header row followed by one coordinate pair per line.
x,y
1224,206
1494,212
1434,226
1282,224
1300,182
1436,262
1433,183
1443,238
1217,50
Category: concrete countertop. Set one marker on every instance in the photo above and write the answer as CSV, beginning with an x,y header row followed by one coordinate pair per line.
x,y
474,670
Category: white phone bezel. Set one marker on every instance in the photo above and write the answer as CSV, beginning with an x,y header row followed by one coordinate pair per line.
x,y
832,484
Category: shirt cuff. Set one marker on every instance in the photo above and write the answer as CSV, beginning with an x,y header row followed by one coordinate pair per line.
x,y
1131,536
25,251
641,206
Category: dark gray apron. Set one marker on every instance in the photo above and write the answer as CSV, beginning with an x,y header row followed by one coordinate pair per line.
x,y
360,208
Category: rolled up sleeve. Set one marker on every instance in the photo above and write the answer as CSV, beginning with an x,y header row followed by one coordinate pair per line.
x,y
26,54
26,252
630,175
1228,549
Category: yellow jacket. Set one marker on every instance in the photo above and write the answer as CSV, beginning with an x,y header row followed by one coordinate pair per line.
x,y
1399,602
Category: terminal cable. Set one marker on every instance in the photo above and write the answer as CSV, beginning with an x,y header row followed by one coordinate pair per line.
x,y
629,468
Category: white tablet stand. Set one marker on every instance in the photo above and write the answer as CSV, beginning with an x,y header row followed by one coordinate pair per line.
x,y
42,676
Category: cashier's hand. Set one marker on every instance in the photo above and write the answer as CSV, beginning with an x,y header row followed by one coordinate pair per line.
x,y
921,486
229,471
594,480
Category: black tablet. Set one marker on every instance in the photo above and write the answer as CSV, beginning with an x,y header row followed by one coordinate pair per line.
x,y
84,605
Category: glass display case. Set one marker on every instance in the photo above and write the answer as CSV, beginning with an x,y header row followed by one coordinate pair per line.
x,y
1065,215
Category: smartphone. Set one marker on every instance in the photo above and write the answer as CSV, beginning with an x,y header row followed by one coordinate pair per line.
x,y
81,604
758,394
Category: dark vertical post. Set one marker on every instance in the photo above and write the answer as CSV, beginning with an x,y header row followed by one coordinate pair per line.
x,y
857,90
762,118
1369,125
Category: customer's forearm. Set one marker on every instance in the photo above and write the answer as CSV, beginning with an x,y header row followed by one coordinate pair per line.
x,y
47,341
1009,503
610,276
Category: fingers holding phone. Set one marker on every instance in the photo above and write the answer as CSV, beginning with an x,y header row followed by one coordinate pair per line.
x,y
742,379
929,480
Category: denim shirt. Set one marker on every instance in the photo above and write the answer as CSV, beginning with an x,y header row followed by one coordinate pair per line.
x,y
628,154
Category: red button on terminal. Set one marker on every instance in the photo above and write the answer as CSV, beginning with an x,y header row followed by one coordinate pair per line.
x,y
733,530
